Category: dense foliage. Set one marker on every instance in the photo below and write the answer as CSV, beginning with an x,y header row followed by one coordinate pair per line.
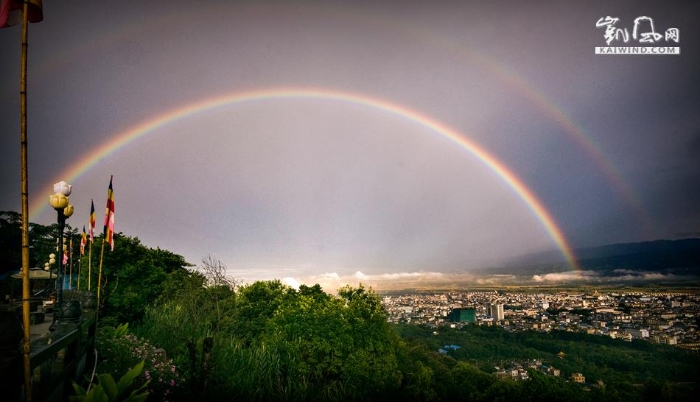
x,y
600,358
274,342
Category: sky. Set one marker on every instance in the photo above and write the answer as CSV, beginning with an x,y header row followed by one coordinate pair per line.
x,y
381,142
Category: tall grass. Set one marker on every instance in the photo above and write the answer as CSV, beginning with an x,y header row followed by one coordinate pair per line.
x,y
263,373
168,326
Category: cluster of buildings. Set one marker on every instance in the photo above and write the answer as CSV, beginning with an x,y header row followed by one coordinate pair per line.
x,y
517,370
667,318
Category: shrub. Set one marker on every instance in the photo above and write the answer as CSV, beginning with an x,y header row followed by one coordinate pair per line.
x,y
117,350
107,389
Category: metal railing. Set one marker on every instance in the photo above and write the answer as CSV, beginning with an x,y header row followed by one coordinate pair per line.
x,y
57,359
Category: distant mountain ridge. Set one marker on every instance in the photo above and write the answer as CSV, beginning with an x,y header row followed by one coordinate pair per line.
x,y
664,256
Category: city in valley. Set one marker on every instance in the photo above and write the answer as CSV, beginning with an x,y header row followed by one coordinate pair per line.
x,y
664,317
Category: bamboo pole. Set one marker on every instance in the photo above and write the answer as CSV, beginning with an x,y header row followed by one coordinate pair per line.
x,y
70,263
99,276
25,207
89,265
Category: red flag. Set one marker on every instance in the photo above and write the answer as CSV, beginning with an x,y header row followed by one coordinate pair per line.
x,y
11,12
83,241
92,221
65,256
109,216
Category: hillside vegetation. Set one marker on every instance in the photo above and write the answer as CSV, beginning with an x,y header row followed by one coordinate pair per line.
x,y
202,335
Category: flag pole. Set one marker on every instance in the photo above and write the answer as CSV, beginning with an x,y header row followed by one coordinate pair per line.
x,y
92,240
70,263
107,234
99,276
89,265
25,207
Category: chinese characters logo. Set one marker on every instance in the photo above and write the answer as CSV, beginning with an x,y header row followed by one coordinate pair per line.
x,y
643,32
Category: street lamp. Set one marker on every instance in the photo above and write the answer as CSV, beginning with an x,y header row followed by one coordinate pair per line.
x,y
60,202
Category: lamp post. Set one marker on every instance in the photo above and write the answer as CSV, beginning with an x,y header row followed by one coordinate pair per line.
x,y
60,202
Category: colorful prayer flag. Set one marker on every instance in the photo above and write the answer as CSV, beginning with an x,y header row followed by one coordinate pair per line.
x,y
109,216
83,241
11,12
92,221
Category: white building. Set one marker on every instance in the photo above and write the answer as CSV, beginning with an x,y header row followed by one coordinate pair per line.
x,y
496,311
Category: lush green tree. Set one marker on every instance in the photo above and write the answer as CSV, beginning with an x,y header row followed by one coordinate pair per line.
x,y
503,390
189,312
342,341
470,382
255,305
305,344
417,378
133,277
541,387
418,382
617,364
42,241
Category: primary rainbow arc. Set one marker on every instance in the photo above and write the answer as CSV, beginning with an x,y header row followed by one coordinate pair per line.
x,y
125,138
